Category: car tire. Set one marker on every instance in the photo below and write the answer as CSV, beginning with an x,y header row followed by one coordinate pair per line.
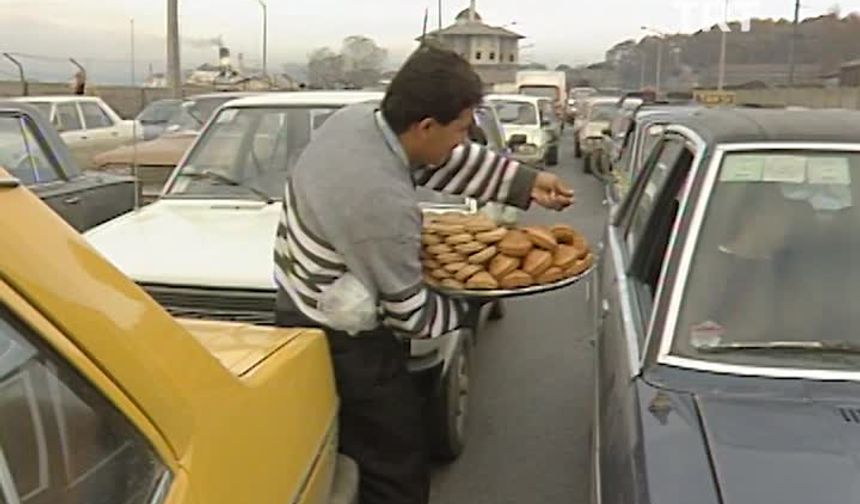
x,y
449,407
552,156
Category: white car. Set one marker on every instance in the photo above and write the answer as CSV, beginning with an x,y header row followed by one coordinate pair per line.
x,y
204,249
528,131
87,124
595,119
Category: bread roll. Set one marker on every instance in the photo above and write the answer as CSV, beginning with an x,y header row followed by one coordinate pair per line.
x,y
480,225
483,256
553,274
459,239
454,267
430,239
439,249
501,265
494,236
515,244
450,229
516,280
467,272
565,256
430,264
580,266
482,281
537,262
450,258
452,218
450,283
541,237
470,248
440,274
563,234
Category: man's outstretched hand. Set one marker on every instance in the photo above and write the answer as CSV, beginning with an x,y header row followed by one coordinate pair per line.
x,y
550,191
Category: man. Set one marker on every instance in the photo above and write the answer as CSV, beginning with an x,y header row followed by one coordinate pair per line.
x,y
350,208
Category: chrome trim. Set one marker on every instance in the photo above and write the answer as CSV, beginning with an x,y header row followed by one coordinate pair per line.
x,y
161,488
667,337
7,485
701,147
629,327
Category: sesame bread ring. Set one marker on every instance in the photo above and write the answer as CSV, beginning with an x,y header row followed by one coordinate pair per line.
x,y
483,256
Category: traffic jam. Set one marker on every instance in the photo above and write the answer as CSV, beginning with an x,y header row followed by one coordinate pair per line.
x,y
296,296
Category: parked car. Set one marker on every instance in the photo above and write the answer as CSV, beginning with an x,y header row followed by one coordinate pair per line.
x,y
528,131
32,151
224,202
596,118
157,158
155,117
87,124
104,397
726,348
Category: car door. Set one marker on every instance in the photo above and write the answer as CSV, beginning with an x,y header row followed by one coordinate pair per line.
x,y
103,133
70,125
637,242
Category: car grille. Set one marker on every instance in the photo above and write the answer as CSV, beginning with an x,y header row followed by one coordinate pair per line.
x,y
234,305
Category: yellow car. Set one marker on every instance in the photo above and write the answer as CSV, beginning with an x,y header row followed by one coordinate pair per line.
x,y
104,398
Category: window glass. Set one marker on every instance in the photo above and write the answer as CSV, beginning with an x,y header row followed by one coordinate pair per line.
x,y
516,113
94,116
22,151
68,118
652,187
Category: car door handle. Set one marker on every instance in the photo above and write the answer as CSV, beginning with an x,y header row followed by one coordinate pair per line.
x,y
74,200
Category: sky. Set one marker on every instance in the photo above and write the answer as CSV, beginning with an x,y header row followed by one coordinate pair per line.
x,y
97,33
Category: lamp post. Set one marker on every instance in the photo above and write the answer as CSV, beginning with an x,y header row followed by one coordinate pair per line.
x,y
721,80
659,70
265,38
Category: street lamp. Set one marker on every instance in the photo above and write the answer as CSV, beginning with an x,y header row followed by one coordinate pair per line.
x,y
661,36
722,72
265,37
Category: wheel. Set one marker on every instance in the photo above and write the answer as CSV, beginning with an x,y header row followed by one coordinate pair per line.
x,y
497,311
552,156
586,163
449,408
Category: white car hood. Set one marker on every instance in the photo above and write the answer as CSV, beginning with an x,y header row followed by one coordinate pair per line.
x,y
205,243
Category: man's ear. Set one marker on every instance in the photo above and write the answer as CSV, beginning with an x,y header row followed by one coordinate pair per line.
x,y
426,124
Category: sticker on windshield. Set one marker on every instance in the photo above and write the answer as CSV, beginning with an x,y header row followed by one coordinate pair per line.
x,y
706,334
828,170
743,168
226,116
785,169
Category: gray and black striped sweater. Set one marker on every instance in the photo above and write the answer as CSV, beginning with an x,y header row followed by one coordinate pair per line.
x,y
350,205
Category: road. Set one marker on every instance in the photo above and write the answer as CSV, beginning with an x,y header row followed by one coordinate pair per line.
x,y
532,386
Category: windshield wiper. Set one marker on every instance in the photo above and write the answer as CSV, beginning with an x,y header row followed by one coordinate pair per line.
x,y
235,183
791,346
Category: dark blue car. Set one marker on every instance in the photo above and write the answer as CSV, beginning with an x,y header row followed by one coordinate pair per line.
x,y
726,301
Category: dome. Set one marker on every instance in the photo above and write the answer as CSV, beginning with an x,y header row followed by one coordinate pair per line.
x,y
464,16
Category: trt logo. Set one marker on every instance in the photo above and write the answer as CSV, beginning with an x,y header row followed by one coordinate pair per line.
x,y
698,15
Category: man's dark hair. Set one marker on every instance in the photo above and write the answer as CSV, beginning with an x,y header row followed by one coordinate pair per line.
x,y
435,83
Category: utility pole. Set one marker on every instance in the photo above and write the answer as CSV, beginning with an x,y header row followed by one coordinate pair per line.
x,y
440,15
792,55
133,79
25,86
173,67
265,39
722,75
659,64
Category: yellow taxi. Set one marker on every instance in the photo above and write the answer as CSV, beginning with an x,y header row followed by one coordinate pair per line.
x,y
105,398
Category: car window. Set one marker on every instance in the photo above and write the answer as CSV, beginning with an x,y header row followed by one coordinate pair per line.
x,y
657,174
603,112
60,439
68,118
44,109
486,121
780,234
159,112
23,151
516,113
94,116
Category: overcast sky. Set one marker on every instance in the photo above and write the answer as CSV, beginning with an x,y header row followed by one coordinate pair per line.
x,y
96,32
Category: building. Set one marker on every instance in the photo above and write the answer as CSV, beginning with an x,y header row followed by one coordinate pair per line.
x,y
493,51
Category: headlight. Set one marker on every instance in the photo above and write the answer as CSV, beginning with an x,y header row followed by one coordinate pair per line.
x,y
123,170
527,149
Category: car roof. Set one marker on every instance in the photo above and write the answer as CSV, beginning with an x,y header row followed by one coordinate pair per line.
x,y
55,98
322,98
741,125
225,94
514,97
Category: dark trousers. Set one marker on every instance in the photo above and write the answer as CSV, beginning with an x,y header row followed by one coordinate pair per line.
x,y
381,413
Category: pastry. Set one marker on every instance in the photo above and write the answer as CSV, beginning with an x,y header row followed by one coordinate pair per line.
x,y
454,267
516,280
515,244
430,264
430,279
440,249
467,271
541,237
480,225
553,274
537,262
563,234
423,254
483,256
493,236
450,283
482,281
450,258
582,244
449,229
430,239
440,274
451,218
501,265
565,256
472,247
459,239
580,266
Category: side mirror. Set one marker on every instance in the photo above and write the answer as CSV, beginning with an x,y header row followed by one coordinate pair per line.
x,y
607,131
517,140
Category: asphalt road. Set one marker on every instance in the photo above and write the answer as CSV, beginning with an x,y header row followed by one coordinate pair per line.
x,y
532,385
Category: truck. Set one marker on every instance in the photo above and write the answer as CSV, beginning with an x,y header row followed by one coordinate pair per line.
x,y
545,84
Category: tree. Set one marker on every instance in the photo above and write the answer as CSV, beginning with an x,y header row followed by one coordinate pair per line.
x,y
563,68
325,69
362,61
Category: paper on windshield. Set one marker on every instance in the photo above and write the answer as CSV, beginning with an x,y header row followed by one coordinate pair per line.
x,y
226,116
785,169
743,168
831,170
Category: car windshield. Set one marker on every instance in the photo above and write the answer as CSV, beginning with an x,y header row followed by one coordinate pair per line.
x,y
44,109
486,121
517,113
195,112
540,91
159,112
246,152
603,111
776,270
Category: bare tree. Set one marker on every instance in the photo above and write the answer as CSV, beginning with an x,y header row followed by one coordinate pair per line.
x,y
325,69
362,61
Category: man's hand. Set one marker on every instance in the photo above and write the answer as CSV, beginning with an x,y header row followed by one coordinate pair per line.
x,y
549,191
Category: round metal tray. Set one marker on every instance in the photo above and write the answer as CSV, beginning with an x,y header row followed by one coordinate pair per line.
x,y
511,293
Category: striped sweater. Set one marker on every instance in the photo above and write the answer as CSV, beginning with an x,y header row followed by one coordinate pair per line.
x,y
350,205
